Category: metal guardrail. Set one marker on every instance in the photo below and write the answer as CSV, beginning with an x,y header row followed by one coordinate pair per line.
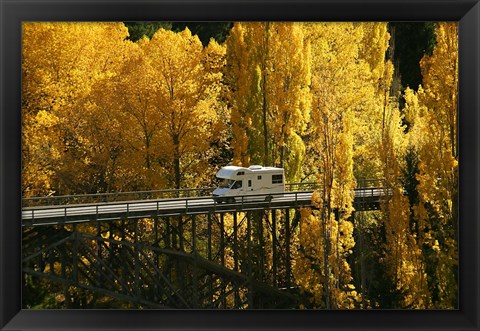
x,y
138,195
163,207
370,182
115,197
161,194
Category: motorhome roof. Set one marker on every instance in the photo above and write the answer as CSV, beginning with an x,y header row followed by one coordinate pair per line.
x,y
231,171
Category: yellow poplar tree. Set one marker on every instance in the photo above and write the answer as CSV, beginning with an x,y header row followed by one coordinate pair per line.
x,y
433,112
403,258
288,96
137,90
238,77
109,151
60,64
370,115
269,83
337,80
186,103
214,62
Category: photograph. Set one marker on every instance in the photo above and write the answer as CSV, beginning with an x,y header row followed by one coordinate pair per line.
x,y
240,165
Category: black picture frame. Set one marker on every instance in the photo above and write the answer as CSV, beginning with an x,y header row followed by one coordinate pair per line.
x,y
13,12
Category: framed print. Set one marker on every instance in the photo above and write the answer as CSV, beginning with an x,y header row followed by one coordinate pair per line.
x,y
241,164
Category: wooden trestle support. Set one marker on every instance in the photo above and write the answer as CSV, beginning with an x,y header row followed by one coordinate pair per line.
x,y
239,260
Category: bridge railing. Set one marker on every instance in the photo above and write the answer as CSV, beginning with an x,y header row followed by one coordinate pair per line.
x,y
293,187
43,215
370,182
139,195
115,197
162,194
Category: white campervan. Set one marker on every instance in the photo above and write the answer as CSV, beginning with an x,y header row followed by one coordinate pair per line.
x,y
254,180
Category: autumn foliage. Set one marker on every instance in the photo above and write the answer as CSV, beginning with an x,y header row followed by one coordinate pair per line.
x,y
102,113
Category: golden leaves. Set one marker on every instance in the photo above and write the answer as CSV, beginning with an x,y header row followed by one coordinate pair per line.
x,y
431,113
102,114
121,106
317,237
269,79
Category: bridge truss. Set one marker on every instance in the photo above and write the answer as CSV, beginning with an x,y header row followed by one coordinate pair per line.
x,y
213,260
232,258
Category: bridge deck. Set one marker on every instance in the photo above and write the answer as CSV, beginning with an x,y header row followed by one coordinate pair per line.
x,y
365,199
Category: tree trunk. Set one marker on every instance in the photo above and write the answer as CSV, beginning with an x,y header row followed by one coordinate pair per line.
x,y
265,101
176,162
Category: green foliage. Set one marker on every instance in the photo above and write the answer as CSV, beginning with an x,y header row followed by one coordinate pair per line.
x,y
138,30
205,31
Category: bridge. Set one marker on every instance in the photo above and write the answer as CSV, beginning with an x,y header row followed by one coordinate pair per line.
x,y
172,248
114,206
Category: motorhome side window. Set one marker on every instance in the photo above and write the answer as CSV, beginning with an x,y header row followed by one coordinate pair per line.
x,y
240,173
277,179
238,184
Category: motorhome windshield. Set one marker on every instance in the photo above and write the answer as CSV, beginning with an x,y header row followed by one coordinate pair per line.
x,y
227,183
